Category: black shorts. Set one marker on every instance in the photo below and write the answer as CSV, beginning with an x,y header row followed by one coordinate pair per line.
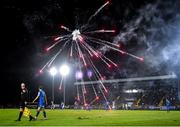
x,y
22,105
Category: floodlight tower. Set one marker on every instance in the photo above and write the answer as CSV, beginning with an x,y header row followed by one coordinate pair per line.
x,y
53,72
64,71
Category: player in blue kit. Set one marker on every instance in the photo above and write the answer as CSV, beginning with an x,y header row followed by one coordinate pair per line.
x,y
41,103
168,104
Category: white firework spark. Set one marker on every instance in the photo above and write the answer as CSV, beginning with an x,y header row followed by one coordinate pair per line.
x,y
80,40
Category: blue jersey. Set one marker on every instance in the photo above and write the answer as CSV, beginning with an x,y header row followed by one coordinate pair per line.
x,y
42,96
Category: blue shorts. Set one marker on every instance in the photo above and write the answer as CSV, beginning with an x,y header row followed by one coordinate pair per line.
x,y
41,105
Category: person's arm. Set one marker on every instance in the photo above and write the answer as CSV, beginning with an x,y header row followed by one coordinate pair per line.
x,y
46,99
36,97
25,96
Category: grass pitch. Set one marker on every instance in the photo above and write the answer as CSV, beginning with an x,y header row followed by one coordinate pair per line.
x,y
93,118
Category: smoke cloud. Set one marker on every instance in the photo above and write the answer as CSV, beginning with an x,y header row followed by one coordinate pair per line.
x,y
155,32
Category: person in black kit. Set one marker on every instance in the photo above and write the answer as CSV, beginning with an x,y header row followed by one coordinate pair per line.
x,y
23,102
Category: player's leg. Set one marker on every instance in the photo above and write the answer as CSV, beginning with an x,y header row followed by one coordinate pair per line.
x,y
168,108
44,113
21,110
31,118
38,111
20,113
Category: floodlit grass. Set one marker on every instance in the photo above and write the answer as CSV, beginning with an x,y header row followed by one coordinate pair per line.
x,y
93,118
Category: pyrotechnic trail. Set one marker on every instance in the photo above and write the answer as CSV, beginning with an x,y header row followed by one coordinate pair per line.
x,y
80,41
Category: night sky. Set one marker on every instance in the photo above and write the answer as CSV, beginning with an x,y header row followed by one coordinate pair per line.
x,y
26,24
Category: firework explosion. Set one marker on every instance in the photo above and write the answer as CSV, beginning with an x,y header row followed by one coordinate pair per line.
x,y
81,49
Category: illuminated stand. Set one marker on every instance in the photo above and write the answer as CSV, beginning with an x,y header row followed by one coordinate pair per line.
x,y
172,77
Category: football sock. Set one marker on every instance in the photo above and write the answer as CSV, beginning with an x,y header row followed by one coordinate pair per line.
x,y
44,113
20,115
37,113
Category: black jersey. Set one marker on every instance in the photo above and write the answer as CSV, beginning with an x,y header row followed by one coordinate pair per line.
x,y
24,97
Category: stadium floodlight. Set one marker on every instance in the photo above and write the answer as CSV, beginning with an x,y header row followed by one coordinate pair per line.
x,y
89,73
79,75
53,71
64,70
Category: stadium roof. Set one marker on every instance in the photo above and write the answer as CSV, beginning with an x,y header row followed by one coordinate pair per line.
x,y
172,76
